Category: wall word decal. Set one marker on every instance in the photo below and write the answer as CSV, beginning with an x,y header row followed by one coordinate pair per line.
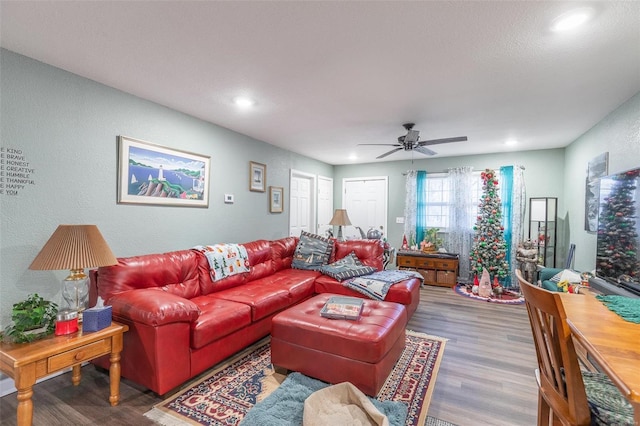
x,y
16,172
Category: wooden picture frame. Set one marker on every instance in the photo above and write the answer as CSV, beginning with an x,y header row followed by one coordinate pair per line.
x,y
257,177
276,202
154,174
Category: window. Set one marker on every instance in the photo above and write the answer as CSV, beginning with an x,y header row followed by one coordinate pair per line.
x,y
439,200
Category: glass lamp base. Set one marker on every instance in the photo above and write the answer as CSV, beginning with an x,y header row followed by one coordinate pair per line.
x,y
76,293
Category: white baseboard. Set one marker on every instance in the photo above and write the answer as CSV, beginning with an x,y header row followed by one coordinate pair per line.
x,y
7,384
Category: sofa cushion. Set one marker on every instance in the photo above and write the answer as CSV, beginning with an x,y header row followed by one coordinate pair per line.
x,y
370,252
153,306
312,252
282,251
263,299
175,272
347,267
218,318
298,282
260,259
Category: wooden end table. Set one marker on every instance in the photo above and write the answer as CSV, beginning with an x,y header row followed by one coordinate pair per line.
x,y
27,362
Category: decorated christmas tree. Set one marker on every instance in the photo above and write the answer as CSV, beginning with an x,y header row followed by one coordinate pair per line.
x,y
617,234
489,246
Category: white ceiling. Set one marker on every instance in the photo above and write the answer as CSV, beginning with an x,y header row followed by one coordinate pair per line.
x,y
330,75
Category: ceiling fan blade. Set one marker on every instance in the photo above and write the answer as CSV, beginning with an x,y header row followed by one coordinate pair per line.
x,y
380,144
389,153
424,150
445,140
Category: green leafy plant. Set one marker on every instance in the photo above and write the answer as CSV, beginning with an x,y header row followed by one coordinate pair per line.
x,y
431,236
33,318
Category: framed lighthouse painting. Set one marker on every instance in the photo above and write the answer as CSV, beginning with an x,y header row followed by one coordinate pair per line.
x,y
153,174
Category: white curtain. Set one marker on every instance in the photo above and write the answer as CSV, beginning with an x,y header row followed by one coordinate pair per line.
x,y
460,236
410,204
519,202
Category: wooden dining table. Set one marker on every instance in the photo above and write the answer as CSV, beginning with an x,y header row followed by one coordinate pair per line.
x,y
612,342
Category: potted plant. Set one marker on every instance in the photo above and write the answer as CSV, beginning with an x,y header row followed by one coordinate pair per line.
x,y
33,318
431,241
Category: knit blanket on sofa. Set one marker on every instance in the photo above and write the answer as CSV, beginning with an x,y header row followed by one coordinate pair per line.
x,y
225,260
376,285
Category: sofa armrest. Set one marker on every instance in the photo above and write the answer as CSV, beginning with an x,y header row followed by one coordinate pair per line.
x,y
153,307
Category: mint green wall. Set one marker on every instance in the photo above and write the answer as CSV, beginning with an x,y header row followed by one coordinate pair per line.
x,y
543,176
67,126
619,135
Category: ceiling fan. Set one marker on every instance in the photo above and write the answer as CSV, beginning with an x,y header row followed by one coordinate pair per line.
x,y
409,142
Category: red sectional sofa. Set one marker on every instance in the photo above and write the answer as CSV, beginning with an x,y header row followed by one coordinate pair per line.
x,y
181,322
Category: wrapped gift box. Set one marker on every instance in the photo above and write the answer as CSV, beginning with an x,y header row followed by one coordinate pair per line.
x,y
96,318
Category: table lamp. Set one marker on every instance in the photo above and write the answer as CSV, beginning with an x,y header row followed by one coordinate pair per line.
x,y
340,219
75,247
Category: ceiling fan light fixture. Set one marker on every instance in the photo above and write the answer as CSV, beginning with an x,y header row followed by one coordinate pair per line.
x,y
572,19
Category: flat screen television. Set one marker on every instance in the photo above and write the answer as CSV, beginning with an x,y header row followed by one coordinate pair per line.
x,y
618,240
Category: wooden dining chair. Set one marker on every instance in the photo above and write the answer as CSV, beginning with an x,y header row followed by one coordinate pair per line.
x,y
566,394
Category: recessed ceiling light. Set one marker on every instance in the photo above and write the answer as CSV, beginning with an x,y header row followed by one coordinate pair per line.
x,y
244,102
511,142
571,19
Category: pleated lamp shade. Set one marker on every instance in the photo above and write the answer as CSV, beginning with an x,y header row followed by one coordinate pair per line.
x,y
340,218
74,247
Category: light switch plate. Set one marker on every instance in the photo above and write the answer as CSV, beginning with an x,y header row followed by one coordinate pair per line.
x,y
228,198
399,219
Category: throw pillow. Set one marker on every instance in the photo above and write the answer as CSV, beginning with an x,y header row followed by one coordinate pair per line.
x,y
347,267
312,252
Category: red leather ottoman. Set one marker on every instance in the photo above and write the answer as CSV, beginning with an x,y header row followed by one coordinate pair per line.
x,y
362,352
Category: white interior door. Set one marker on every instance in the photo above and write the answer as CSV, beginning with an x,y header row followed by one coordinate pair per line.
x,y
302,211
366,202
325,204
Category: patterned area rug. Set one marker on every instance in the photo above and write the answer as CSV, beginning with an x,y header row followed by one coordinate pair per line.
x,y
508,297
225,395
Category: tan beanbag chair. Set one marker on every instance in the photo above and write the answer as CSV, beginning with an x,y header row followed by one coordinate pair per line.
x,y
341,404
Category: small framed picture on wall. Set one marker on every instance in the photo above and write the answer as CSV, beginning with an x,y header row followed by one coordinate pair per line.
x,y
257,177
275,199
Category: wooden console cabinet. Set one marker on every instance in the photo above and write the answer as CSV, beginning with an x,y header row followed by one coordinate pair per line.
x,y
436,268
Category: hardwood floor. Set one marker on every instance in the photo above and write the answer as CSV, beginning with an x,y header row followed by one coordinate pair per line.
x,y
486,376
